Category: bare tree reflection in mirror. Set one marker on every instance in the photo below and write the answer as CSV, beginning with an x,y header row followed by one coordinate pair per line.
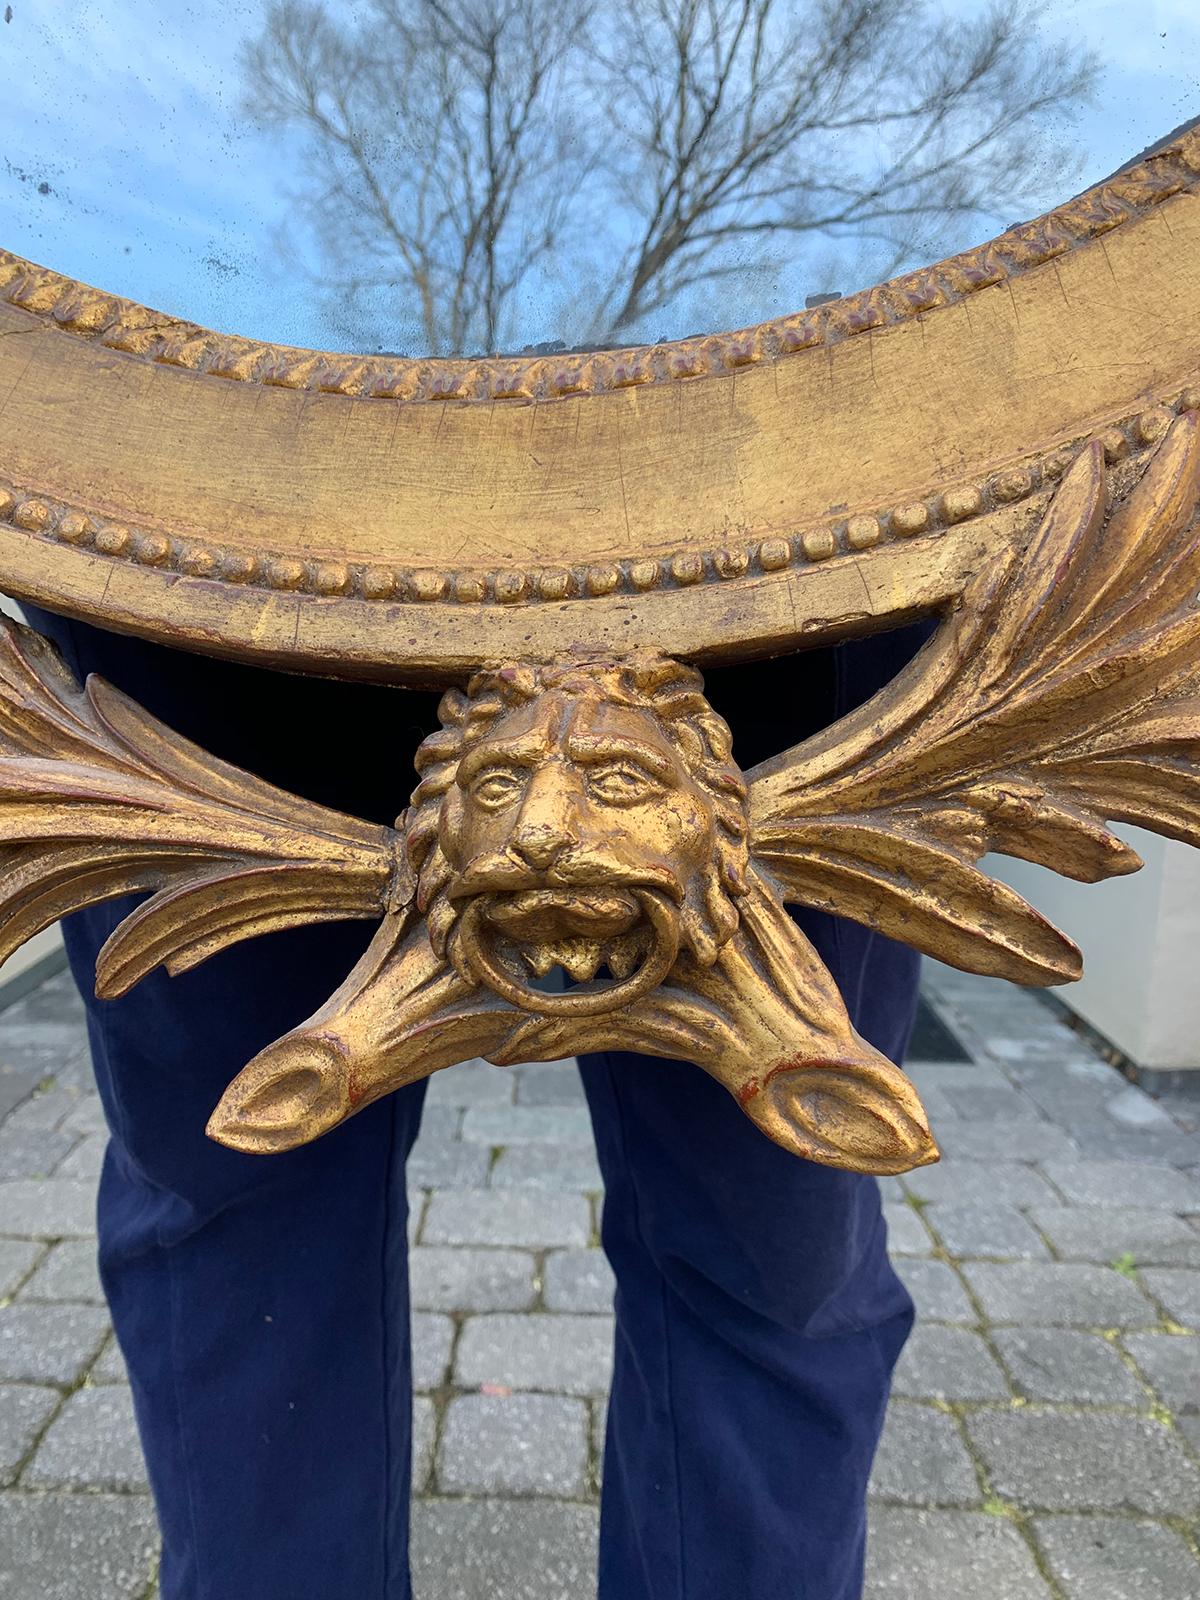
x,y
613,162
429,128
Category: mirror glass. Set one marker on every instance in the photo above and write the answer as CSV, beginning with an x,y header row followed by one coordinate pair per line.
x,y
466,176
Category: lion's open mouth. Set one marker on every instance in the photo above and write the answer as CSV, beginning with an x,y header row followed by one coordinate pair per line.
x,y
615,943
583,931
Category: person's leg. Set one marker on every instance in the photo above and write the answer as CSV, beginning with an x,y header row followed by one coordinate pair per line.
x,y
260,1301
758,1322
758,1319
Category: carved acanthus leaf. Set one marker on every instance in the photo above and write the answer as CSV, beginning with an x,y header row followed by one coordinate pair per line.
x,y
98,799
1062,694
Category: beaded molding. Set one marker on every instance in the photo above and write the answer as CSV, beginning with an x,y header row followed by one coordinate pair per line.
x,y
54,520
124,325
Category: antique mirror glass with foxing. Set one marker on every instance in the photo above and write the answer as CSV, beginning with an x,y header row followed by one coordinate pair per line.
x,y
564,537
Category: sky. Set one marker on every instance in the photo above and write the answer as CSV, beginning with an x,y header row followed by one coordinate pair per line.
x,y
127,159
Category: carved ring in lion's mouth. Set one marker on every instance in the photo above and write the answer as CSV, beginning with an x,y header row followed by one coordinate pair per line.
x,y
505,939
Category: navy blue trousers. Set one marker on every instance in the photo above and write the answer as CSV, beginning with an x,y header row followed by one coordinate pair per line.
x,y
262,1302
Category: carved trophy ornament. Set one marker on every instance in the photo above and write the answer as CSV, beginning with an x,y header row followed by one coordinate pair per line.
x,y
583,865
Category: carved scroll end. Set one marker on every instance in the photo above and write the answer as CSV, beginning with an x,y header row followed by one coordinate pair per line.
x,y
290,1094
767,1021
859,1113
401,1015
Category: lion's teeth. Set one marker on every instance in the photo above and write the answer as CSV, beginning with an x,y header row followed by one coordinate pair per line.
x,y
622,957
581,957
540,958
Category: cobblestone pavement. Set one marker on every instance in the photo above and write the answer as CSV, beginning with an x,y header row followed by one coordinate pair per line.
x,y
1044,1439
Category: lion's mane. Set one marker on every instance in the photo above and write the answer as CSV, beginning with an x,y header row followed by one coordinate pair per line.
x,y
643,680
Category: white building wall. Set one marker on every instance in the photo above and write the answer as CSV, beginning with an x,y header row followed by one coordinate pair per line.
x,y
1140,937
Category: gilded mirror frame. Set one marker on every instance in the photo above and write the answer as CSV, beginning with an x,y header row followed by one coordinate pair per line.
x,y
1008,438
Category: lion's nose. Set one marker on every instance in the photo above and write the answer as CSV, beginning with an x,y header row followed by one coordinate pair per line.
x,y
540,845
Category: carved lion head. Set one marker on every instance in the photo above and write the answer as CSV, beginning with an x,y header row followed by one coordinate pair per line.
x,y
587,815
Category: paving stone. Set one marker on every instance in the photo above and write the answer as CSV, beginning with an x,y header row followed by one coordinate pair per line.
x,y
1065,1365
47,1108
1179,1290
49,1344
471,1083
514,1445
17,1256
1016,1141
440,1124
1172,1364
992,1105
1106,1142
948,1364
979,1229
56,998
1082,1068
432,1339
424,1432
503,1550
41,1044
447,1166
31,1152
91,1444
24,1411
471,1280
110,1368
1133,1108
992,1182
548,1166
1046,1044
490,1216
507,1125
1058,1294
1104,1233
76,1547
1081,1461
947,1555
69,1272
76,1077
1078,1107
1011,1012
937,1290
86,1160
560,1352
1189,1427
48,1208
86,1116
550,1083
16,1086
944,1075
1110,1558
922,1460
1118,1183
578,1280
907,1235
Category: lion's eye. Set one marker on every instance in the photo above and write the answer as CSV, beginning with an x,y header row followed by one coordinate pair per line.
x,y
497,787
621,783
